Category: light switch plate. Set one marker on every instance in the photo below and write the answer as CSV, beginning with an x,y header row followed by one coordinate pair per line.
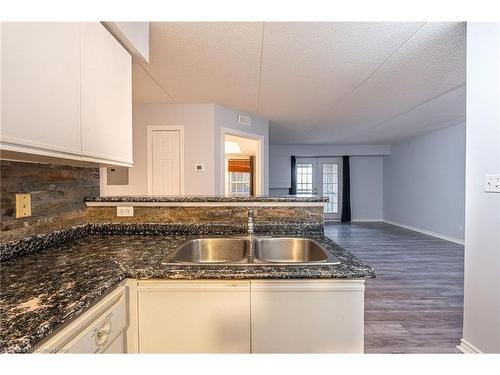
x,y
125,211
23,205
492,183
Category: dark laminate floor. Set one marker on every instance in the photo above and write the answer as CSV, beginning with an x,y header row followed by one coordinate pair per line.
x,y
415,304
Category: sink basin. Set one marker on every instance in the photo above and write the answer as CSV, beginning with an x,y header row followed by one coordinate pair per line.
x,y
212,250
291,250
251,251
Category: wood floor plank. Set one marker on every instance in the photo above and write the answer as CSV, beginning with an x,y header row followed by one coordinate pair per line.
x,y
415,305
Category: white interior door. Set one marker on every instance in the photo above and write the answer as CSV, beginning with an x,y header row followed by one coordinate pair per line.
x,y
321,176
165,162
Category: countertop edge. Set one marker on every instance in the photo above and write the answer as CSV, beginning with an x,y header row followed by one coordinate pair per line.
x,y
208,200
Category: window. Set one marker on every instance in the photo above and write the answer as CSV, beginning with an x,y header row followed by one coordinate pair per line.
x,y
331,187
304,178
321,176
239,184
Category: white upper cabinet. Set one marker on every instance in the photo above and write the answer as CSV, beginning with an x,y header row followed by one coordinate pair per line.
x,y
41,87
66,92
106,96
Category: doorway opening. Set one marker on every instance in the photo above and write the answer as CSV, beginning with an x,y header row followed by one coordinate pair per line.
x,y
242,166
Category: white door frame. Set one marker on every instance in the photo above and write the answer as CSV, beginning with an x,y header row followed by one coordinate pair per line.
x,y
150,129
259,159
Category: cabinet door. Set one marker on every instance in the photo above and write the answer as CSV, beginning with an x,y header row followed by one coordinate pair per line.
x,y
40,87
307,316
102,332
106,97
99,329
117,346
194,317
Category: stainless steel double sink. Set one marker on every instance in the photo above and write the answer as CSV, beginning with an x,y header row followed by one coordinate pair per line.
x,y
251,251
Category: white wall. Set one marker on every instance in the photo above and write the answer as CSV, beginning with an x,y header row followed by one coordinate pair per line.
x,y
278,192
424,182
366,168
228,118
279,158
198,122
482,214
202,144
366,187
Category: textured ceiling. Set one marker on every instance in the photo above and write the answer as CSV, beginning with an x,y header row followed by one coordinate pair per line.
x,y
317,82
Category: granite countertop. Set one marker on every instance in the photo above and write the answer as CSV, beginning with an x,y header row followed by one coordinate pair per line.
x,y
210,199
42,290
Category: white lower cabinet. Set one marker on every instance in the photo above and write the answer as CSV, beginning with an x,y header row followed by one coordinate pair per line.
x,y
292,316
117,346
219,316
101,329
193,316
274,316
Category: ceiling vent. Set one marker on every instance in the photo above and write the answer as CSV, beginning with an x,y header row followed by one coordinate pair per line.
x,y
245,120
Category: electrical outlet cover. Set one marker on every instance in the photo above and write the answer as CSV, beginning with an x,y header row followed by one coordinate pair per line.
x,y
125,211
23,205
492,183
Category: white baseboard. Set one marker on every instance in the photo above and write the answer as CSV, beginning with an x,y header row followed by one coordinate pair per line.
x,y
467,348
330,221
428,232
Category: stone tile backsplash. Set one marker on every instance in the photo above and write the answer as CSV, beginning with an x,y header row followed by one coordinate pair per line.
x,y
57,197
204,214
